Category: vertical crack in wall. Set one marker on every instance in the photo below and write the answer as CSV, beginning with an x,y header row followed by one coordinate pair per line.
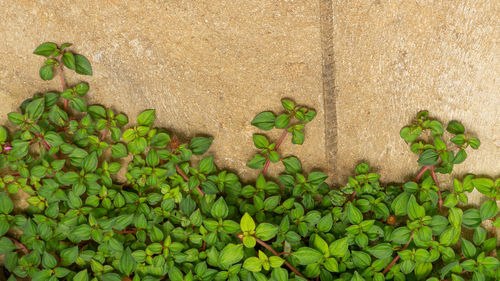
x,y
328,68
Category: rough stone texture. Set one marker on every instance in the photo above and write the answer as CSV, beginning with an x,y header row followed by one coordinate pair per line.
x,y
395,58
207,67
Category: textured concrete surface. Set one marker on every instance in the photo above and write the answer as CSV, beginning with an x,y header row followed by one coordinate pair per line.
x,y
395,58
207,67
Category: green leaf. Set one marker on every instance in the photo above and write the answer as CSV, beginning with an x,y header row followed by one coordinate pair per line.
x,y
249,241
48,260
468,248
306,255
266,231
200,145
16,118
483,185
275,262
247,223
220,209
361,259
206,165
428,158
69,255
297,137
253,264
399,205
160,140
455,216
146,118
264,121
339,247
127,262
401,235
460,157
6,245
488,210
69,60
455,127
81,276
46,72
123,221
187,205
292,165
230,255
287,104
45,49
90,162
474,143
354,214
78,104
119,150
35,108
257,162
282,121
260,141
381,251
97,112
82,65
415,211
436,128
6,205
471,218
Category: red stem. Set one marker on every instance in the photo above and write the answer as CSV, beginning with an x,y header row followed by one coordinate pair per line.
x,y
266,166
127,231
61,78
397,256
104,133
265,245
425,168
186,178
440,200
20,245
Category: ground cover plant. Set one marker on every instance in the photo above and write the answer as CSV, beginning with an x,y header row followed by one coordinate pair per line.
x,y
171,219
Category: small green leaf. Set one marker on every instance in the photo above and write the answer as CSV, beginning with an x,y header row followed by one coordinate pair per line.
x,y
230,255
460,157
306,255
6,205
82,65
297,137
45,49
81,276
287,104
257,162
292,165
339,247
220,209
468,248
146,118
253,264
266,231
260,141
488,210
282,121
127,263
264,120
455,127
69,60
35,108
428,158
46,72
471,218
415,211
247,223
353,214
200,145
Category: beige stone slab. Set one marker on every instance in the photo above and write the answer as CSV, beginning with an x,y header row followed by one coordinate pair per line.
x,y
395,58
207,67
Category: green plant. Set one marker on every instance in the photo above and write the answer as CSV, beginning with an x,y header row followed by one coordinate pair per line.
x,y
173,220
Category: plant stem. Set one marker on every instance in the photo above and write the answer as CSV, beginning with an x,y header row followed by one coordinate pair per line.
x,y
127,231
397,256
19,245
104,133
186,178
283,135
265,245
425,168
440,200
61,78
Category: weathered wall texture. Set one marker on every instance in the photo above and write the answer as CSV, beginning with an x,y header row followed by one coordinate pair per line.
x,y
206,66
210,66
395,58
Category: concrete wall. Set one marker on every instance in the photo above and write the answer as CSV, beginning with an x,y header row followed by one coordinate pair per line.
x,y
208,67
395,58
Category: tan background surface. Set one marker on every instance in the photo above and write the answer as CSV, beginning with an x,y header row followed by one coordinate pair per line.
x,y
208,67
